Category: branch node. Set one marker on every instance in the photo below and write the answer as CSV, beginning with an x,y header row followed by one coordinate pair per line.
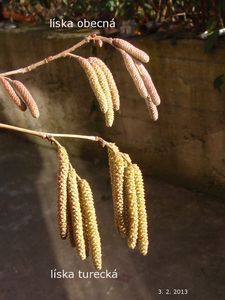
x,y
87,38
101,141
50,58
49,138
110,40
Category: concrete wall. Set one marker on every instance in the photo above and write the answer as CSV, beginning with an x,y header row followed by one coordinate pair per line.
x,y
186,146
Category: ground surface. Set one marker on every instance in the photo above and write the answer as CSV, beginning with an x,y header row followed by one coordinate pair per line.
x,y
186,229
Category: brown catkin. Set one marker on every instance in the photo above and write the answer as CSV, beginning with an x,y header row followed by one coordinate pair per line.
x,y
62,190
27,98
148,83
109,115
117,174
134,73
142,213
12,94
132,50
132,209
152,109
111,82
75,211
94,82
88,210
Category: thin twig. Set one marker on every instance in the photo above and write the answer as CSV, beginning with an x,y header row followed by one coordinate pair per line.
x,y
103,39
47,59
51,136
23,130
47,135
61,54
72,55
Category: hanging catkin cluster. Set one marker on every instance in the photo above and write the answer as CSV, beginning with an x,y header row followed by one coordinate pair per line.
x,y
103,86
129,199
19,94
134,59
76,211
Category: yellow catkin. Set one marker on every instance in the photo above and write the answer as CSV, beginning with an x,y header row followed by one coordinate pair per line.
x,y
109,115
112,148
126,161
62,190
70,227
110,157
94,82
12,94
127,158
111,82
117,179
148,83
134,73
152,109
88,210
132,50
75,211
27,98
132,208
143,241
85,231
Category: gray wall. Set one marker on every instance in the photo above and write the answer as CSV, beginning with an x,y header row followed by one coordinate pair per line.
x,y
186,146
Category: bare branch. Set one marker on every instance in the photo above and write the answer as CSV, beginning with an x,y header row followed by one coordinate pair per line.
x,y
47,59
51,136
47,135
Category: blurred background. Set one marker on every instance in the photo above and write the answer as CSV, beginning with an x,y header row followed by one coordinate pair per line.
x,y
166,17
182,155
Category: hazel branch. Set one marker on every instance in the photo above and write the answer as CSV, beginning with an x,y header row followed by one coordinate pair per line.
x,y
51,137
47,59
103,39
61,54
47,135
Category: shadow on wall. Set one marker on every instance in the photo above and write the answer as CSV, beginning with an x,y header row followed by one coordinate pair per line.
x,y
185,147
26,251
